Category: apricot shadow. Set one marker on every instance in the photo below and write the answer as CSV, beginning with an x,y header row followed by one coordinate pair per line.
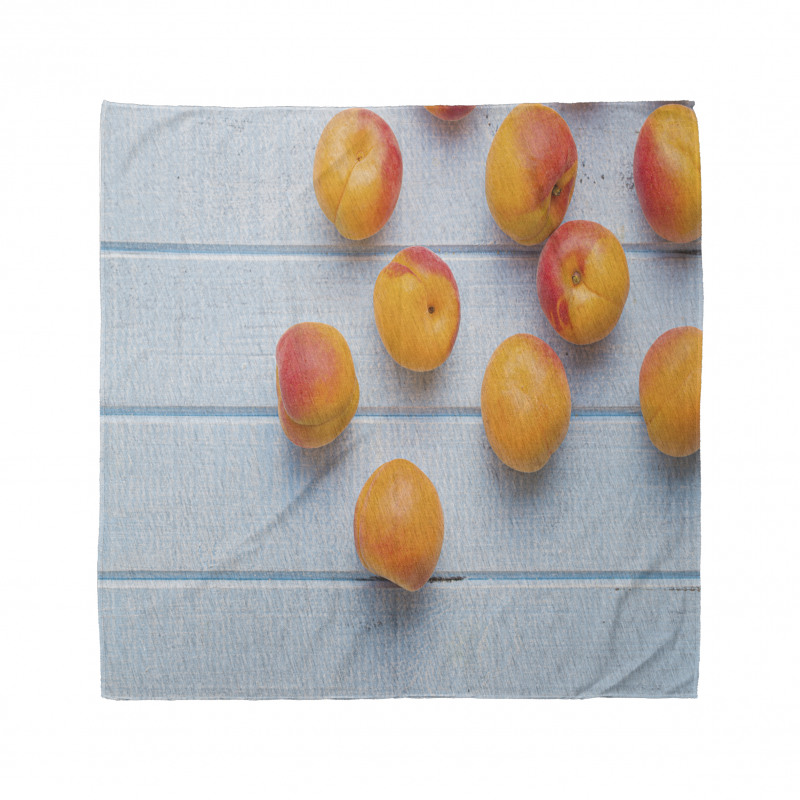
x,y
396,611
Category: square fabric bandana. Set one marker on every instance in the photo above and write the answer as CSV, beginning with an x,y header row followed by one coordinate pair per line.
x,y
400,402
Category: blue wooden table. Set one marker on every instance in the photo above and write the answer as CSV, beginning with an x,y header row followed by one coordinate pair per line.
x,y
227,567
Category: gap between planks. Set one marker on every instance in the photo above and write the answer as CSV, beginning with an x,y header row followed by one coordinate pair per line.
x,y
240,250
670,579
271,412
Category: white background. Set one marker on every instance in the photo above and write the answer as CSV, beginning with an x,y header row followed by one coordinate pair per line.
x,y
58,61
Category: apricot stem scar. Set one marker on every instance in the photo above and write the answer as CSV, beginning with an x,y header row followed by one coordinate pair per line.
x,y
576,278
556,191
430,309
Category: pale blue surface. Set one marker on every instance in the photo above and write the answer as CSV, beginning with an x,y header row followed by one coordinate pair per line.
x,y
226,561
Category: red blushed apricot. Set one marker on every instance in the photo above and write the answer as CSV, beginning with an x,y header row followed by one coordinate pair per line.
x,y
450,113
417,309
398,525
525,402
666,173
530,173
582,281
316,372
316,383
311,436
358,171
669,391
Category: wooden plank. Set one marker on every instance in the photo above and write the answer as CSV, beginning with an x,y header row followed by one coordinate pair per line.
x,y
243,176
234,494
186,330
267,639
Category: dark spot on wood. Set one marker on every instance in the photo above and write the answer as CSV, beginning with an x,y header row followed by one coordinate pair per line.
x,y
440,579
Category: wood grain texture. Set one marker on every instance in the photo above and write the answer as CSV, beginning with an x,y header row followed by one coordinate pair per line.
x,y
326,639
244,176
235,494
186,330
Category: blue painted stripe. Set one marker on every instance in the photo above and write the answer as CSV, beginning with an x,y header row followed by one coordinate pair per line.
x,y
188,411
365,251
604,575
272,412
617,411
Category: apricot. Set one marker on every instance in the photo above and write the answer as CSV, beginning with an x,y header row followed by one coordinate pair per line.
x,y
398,524
582,281
358,171
316,384
450,113
525,402
417,309
669,391
666,173
530,173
